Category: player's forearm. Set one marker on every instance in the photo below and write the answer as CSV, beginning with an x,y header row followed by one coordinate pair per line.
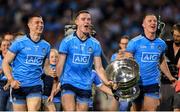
x,y
59,70
106,89
102,74
46,69
7,70
60,64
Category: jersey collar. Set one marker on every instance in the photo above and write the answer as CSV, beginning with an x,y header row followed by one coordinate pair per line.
x,y
75,34
143,34
34,41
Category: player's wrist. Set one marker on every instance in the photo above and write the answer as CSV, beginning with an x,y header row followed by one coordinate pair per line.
x,y
10,79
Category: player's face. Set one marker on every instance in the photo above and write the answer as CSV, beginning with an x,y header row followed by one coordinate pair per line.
x,y
150,24
176,36
123,43
53,58
83,23
5,45
36,25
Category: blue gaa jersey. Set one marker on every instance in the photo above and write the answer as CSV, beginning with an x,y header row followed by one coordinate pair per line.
x,y
113,57
147,54
27,65
79,59
95,79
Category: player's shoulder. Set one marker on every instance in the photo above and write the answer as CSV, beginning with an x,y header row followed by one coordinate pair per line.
x,y
69,38
94,40
23,38
138,38
161,40
45,42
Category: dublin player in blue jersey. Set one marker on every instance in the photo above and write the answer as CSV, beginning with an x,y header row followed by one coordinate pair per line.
x,y
148,51
77,52
28,55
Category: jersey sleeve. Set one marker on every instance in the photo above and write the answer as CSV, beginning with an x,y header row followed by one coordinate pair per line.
x,y
48,51
131,47
113,57
63,47
98,50
96,80
164,48
15,47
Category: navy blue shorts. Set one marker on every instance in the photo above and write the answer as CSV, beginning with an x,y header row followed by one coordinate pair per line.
x,y
19,95
152,91
81,96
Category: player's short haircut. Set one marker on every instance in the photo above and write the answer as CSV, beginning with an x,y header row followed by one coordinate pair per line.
x,y
80,12
150,13
32,16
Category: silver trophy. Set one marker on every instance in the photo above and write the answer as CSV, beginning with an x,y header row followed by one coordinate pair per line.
x,y
69,29
125,74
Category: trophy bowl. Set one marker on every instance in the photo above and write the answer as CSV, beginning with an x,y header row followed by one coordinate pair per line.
x,y
125,74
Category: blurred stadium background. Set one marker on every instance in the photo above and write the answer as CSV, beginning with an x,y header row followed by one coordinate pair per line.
x,y
112,18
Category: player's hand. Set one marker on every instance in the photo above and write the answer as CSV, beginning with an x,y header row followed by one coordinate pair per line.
x,y
50,98
15,84
121,54
109,83
6,87
112,85
128,55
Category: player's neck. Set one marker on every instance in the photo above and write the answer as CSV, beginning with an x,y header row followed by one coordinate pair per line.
x,y
35,37
4,53
150,36
81,35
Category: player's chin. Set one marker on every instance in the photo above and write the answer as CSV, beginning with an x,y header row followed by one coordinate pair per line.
x,y
152,31
40,31
86,31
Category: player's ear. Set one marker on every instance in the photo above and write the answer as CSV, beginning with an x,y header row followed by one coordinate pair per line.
x,y
75,21
143,25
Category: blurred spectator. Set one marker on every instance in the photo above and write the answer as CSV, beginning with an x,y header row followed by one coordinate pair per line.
x,y
4,85
170,100
112,17
9,37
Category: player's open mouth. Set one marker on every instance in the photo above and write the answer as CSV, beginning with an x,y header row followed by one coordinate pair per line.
x,y
152,26
86,26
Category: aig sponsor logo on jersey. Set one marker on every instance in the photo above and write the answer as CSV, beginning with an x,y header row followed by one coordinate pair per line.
x,y
81,58
34,59
150,57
